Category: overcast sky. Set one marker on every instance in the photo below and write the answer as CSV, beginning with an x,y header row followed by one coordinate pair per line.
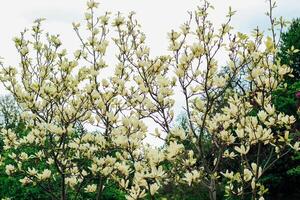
x,y
156,16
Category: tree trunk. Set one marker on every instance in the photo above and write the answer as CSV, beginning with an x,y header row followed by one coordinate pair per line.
x,y
212,190
99,189
254,194
63,188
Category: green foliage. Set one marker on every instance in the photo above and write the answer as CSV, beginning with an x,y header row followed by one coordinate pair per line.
x,y
111,192
10,187
183,192
284,99
295,171
291,40
283,178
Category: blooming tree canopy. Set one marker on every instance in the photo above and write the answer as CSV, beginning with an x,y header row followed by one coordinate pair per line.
x,y
229,110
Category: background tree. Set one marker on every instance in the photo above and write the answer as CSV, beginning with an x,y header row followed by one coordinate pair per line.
x,y
289,53
286,171
10,112
10,185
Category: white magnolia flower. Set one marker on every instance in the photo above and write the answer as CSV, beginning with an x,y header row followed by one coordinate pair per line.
x,y
90,188
9,169
46,174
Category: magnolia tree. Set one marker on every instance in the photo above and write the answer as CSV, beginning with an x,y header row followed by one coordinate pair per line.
x,y
233,134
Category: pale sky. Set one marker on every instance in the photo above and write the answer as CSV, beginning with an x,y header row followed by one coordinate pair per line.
x,y
156,16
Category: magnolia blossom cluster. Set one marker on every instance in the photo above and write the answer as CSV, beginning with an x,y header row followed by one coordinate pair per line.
x,y
229,110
